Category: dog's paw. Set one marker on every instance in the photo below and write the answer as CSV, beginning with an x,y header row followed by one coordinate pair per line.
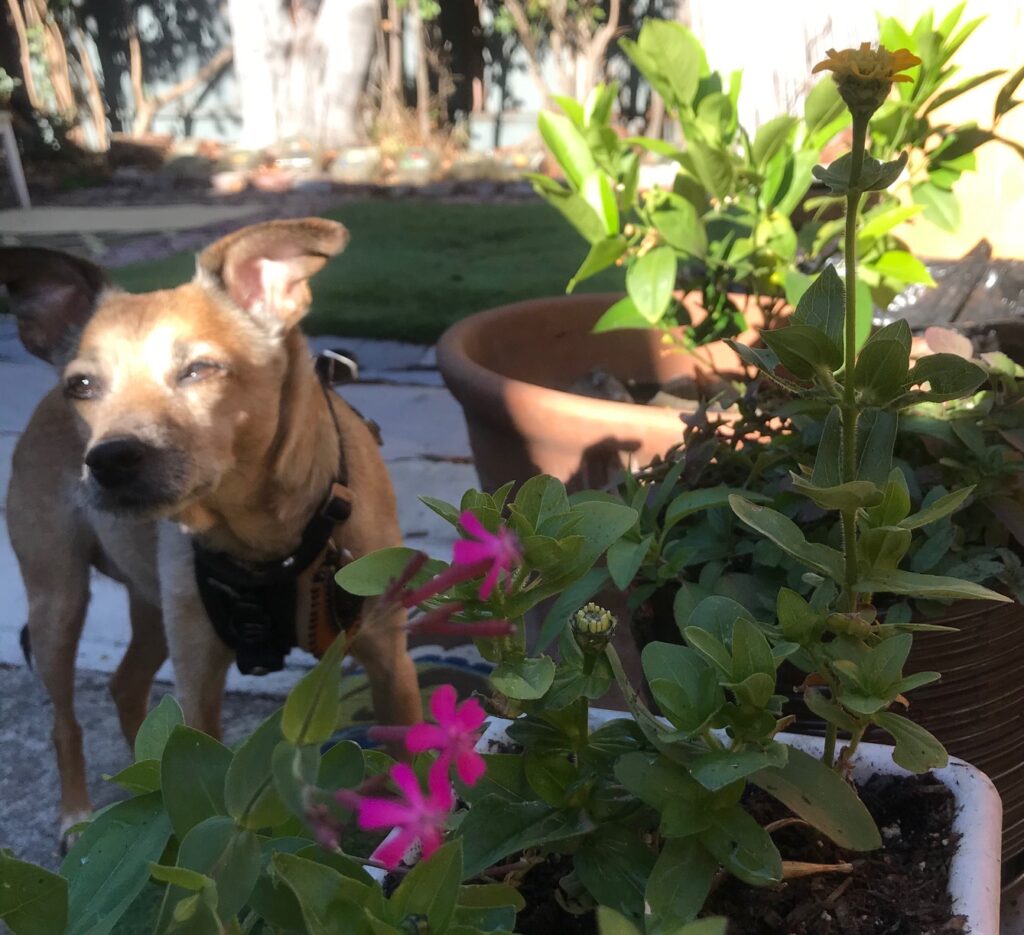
x,y
71,827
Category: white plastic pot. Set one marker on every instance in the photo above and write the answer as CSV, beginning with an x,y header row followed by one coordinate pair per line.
x,y
974,873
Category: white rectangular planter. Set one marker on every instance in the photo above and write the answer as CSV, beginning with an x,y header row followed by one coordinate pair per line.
x,y
974,873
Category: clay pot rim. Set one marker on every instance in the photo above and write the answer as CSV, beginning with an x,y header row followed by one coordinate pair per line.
x,y
478,387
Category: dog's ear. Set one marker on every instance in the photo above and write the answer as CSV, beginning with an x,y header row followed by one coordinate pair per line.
x,y
265,268
52,295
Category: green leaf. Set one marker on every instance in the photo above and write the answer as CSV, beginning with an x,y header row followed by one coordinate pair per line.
x,y
949,376
823,306
1004,99
828,468
798,621
874,175
613,863
743,847
524,679
896,581
803,349
853,495
942,507
656,780
249,793
916,749
771,137
371,574
895,503
228,855
680,882
139,778
822,105
330,902
600,256
623,314
33,901
680,226
568,147
787,536
883,219
882,548
431,888
650,281
881,371
676,56
713,167
156,729
717,769
610,922
341,767
192,773
310,713
876,436
549,775
293,769
574,208
751,653
902,267
695,501
598,193
179,876
822,798
494,828
109,864
625,558
941,207
683,685
963,87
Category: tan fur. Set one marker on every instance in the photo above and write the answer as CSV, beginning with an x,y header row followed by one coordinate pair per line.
x,y
252,450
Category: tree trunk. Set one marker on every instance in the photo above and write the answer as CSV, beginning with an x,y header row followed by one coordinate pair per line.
x,y
301,75
422,74
24,55
94,95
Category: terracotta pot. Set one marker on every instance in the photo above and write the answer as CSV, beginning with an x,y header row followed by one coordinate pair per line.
x,y
511,367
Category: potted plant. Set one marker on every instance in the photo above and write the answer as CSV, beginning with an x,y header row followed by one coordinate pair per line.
x,y
729,246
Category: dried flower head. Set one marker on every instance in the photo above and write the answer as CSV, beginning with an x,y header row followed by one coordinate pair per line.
x,y
865,76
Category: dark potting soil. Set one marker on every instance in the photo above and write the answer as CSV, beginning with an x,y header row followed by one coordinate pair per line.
x,y
900,889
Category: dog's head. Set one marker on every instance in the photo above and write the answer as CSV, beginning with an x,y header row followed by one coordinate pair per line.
x,y
172,388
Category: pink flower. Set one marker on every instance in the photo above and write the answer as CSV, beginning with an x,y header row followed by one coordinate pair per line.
x,y
418,818
455,734
497,551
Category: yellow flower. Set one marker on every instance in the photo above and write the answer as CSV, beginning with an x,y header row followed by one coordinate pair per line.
x,y
865,76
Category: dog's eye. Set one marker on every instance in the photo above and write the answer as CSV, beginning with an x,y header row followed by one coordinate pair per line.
x,y
80,386
198,370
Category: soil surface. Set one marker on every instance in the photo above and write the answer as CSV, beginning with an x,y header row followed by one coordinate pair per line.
x,y
900,889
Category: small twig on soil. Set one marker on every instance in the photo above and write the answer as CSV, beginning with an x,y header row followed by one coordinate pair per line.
x,y
792,869
837,893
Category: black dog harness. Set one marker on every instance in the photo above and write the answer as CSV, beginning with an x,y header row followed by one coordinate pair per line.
x,y
263,610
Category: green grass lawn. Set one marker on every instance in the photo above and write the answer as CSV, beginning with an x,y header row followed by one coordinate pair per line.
x,y
412,268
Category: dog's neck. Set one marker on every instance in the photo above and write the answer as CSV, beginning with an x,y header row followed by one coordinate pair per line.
x,y
259,511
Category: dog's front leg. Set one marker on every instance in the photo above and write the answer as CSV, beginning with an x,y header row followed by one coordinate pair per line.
x,y
201,661
381,648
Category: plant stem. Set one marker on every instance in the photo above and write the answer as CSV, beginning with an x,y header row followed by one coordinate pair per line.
x,y
849,405
828,755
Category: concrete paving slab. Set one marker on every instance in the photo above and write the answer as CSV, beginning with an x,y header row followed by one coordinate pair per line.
x,y
48,221
28,769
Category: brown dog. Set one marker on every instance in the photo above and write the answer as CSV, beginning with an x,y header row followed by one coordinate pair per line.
x,y
190,413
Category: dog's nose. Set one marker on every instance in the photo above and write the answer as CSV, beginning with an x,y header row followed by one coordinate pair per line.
x,y
117,461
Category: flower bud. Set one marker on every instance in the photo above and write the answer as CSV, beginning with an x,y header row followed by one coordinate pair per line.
x,y
593,627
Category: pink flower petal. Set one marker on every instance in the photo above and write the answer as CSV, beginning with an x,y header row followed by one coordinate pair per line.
x,y
441,797
403,776
424,737
490,581
443,705
382,813
470,766
470,715
430,840
391,852
468,521
467,552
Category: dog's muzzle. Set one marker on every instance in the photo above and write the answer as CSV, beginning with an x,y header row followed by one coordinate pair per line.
x,y
128,473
